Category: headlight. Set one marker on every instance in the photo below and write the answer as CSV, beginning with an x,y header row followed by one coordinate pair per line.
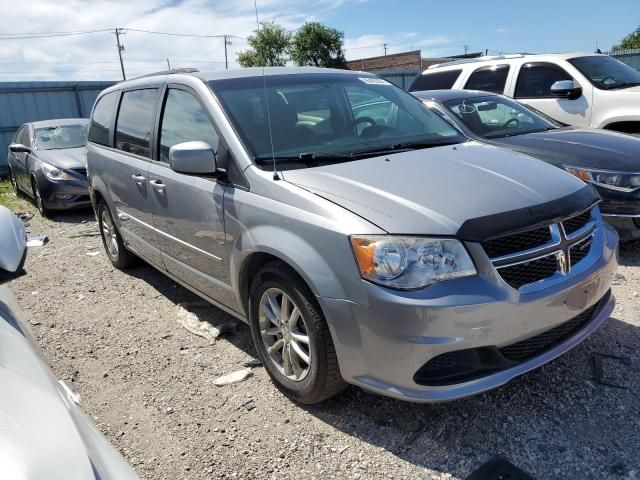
x,y
410,262
615,180
55,173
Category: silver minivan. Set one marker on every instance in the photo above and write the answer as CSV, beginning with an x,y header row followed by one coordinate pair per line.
x,y
363,238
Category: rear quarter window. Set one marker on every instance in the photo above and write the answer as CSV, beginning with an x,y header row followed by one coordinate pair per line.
x,y
135,121
435,81
101,118
489,79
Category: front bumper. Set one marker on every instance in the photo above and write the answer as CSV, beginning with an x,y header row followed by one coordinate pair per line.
x,y
382,345
64,195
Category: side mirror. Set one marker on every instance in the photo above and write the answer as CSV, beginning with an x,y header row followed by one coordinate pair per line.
x,y
566,89
196,158
19,148
13,246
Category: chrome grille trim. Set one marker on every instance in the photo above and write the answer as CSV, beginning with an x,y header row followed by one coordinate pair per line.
x,y
560,247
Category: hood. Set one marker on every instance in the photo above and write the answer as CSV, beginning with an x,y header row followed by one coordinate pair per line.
x,y
434,191
579,147
39,438
67,158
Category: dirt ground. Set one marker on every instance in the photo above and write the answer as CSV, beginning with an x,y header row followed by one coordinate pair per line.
x,y
148,384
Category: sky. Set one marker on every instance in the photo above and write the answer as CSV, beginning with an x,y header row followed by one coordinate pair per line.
x,y
436,28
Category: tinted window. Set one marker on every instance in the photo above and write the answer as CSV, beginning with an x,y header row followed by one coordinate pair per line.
x,y
489,79
435,81
135,121
101,119
184,120
535,80
606,72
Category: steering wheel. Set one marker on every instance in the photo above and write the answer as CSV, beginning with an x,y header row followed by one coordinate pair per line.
x,y
360,120
514,120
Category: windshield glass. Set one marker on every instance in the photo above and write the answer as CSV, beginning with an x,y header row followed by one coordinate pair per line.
x,y
62,136
494,116
327,117
606,72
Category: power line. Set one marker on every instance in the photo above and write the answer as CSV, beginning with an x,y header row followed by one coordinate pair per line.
x,y
173,34
24,36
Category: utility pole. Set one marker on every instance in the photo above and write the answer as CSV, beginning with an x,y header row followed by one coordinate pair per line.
x,y
168,64
227,41
118,32
466,49
385,45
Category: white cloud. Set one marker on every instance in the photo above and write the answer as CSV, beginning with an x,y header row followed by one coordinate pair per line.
x,y
94,56
506,30
373,45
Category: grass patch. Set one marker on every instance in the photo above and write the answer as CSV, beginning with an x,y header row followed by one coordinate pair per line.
x,y
9,200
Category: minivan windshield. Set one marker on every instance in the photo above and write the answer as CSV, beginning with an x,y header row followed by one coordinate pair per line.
x,y
327,118
494,116
606,72
61,136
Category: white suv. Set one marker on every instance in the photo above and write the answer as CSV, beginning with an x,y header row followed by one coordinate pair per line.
x,y
577,89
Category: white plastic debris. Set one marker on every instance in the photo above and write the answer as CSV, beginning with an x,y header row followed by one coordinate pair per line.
x,y
192,322
93,254
233,377
37,241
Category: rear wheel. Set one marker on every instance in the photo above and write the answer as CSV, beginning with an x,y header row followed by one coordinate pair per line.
x,y
292,337
14,183
118,254
37,197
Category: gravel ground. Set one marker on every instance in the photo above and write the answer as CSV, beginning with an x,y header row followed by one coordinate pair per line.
x,y
148,384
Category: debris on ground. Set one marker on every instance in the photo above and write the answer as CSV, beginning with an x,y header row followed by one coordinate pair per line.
x,y
24,216
95,253
233,377
612,376
37,241
192,322
254,362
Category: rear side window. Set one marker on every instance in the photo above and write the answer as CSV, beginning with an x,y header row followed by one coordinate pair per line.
x,y
101,119
535,80
489,79
135,121
184,120
435,81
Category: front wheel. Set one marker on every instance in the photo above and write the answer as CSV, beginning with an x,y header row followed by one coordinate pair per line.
x,y
292,337
37,197
118,254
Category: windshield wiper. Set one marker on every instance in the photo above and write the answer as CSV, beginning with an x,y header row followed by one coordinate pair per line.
x,y
403,147
304,157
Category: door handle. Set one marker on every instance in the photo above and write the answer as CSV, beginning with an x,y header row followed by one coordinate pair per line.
x,y
139,179
158,185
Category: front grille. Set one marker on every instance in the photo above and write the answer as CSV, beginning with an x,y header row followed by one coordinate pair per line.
x,y
530,272
580,250
546,340
464,365
517,242
574,224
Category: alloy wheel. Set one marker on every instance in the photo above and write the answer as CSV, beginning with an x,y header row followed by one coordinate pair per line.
x,y
285,334
109,234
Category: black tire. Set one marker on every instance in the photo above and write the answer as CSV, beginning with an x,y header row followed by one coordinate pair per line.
x,y
114,247
14,184
322,379
37,198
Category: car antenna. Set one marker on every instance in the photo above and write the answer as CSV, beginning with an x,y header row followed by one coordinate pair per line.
x,y
266,99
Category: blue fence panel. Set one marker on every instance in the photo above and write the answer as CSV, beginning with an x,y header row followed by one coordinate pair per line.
x,y
631,57
401,78
22,102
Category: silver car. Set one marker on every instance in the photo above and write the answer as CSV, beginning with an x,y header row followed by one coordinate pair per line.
x,y
364,239
43,432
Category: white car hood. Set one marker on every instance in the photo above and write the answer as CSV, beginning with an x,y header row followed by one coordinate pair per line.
x,y
38,437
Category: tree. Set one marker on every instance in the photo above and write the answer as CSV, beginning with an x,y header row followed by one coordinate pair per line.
x,y
630,41
318,46
269,47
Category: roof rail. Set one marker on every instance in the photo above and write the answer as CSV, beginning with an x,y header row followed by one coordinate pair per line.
x,y
477,59
167,72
